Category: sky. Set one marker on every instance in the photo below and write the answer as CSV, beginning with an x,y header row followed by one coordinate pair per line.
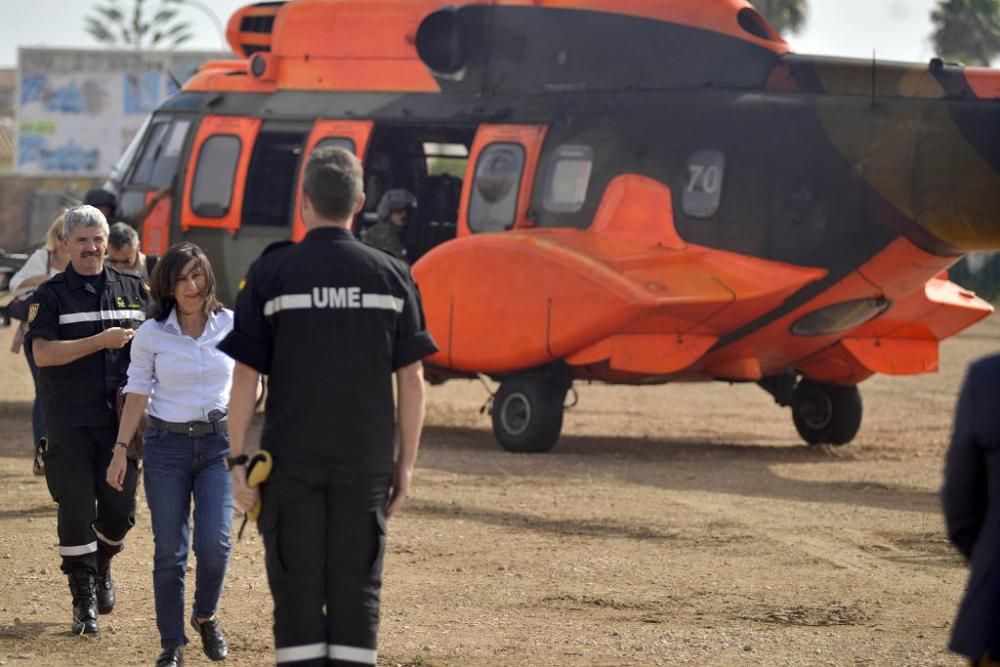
x,y
894,29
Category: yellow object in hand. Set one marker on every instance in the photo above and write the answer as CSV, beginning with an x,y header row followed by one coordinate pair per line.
x,y
258,470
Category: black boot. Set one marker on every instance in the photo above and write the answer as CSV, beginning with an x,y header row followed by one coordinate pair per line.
x,y
81,586
172,656
213,642
105,585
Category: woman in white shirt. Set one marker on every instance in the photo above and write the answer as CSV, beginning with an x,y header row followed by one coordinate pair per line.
x,y
177,371
44,263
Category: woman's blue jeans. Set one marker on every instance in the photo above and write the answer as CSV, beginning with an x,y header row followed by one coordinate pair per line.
x,y
177,468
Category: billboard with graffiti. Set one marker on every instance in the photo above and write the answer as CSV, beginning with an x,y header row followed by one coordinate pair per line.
x,y
78,109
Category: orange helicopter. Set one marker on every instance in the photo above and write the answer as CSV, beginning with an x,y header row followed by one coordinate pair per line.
x,y
626,191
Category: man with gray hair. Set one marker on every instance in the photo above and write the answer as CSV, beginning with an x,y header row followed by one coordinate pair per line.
x,y
124,253
79,328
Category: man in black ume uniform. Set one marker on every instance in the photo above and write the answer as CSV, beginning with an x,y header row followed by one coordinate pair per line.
x,y
329,320
79,328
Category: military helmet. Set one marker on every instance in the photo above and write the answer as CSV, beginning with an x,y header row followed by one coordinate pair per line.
x,y
395,200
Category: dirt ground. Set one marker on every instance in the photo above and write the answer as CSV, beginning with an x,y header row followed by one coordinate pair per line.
x,y
675,525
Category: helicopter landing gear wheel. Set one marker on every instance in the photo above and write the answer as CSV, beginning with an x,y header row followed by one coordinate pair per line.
x,y
528,412
826,413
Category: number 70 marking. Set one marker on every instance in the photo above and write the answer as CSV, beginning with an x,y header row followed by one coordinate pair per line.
x,y
704,179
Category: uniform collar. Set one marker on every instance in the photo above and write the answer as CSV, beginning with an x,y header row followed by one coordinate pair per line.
x,y
75,281
330,233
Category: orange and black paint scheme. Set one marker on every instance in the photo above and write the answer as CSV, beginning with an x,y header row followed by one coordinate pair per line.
x,y
649,190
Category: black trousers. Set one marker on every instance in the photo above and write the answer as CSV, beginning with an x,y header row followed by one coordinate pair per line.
x,y
92,516
324,538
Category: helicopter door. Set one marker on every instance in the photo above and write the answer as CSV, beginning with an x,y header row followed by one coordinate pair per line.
x,y
350,134
213,191
500,174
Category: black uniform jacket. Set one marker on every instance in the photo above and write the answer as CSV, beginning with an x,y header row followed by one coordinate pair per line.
x,y
971,498
329,320
70,307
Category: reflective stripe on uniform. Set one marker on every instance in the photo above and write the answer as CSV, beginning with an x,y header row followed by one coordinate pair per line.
x,y
382,301
287,302
297,653
81,550
106,540
102,315
333,297
365,656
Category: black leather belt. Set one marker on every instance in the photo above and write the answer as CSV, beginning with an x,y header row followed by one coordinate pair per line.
x,y
190,429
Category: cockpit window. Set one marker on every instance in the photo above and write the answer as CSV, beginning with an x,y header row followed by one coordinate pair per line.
x,y
170,152
567,179
493,202
158,161
150,152
125,161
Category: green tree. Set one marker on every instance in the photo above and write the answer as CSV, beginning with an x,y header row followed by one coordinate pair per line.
x,y
967,31
146,26
785,16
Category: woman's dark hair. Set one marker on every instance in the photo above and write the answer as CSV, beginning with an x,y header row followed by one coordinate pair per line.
x,y
166,273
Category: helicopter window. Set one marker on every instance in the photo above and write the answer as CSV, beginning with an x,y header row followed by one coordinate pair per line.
x,y
149,154
165,166
212,192
445,159
703,189
567,179
493,203
131,203
337,142
756,25
118,173
271,181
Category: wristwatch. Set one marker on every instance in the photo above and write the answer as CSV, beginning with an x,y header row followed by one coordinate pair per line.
x,y
233,461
